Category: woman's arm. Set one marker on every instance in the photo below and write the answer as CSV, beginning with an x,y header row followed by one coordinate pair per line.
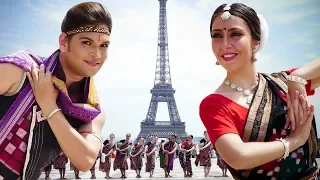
x,y
245,155
162,146
190,149
139,152
111,150
240,155
207,145
146,149
310,71
125,149
174,150
315,83
153,150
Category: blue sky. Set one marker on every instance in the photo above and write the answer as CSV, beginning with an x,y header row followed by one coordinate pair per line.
x,y
125,80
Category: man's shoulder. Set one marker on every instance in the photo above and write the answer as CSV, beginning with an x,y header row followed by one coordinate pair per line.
x,y
23,58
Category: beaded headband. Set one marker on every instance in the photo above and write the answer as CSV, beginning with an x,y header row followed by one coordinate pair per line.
x,y
88,29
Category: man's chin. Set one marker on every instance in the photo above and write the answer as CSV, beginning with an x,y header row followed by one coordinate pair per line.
x,y
90,73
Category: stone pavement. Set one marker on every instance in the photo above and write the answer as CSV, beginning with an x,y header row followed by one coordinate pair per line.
x,y
176,174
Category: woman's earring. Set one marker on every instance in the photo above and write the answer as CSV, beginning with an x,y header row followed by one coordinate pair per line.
x,y
254,59
217,63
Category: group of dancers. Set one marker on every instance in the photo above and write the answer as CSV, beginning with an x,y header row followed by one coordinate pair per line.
x,y
143,151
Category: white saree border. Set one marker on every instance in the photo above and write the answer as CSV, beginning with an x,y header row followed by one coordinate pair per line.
x,y
33,123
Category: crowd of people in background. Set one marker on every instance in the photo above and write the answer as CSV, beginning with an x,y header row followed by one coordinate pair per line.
x,y
144,153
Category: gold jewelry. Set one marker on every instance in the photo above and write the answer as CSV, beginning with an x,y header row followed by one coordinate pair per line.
x,y
286,147
88,29
297,79
53,112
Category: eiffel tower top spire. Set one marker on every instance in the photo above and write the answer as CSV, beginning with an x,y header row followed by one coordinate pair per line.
x,y
162,75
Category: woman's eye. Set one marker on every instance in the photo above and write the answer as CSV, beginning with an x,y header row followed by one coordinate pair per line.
x,y
216,36
86,42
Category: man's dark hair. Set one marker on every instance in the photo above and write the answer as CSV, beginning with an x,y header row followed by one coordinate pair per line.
x,y
86,14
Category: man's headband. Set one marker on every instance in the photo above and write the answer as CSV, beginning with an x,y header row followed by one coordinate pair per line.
x,y
264,28
88,29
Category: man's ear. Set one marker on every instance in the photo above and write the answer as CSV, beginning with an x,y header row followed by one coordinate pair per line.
x,y
63,42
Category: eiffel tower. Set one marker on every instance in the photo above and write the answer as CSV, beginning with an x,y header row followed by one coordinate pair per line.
x,y
162,91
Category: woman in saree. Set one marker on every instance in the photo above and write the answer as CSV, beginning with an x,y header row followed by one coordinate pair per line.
x,y
75,171
222,165
261,124
161,154
205,154
120,161
60,164
93,170
169,148
108,147
47,170
150,149
136,157
185,156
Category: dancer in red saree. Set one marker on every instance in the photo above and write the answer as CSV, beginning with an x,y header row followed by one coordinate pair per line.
x,y
120,162
260,124
205,154
185,156
136,157
169,148
60,163
151,147
109,147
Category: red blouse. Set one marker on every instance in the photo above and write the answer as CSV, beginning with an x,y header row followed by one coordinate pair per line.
x,y
220,115
185,143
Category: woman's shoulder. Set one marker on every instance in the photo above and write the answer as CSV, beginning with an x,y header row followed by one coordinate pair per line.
x,y
212,99
218,102
279,73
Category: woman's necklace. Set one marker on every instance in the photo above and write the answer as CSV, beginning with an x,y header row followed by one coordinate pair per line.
x,y
246,92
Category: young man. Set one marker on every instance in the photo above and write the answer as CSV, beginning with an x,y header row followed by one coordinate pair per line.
x,y
56,107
